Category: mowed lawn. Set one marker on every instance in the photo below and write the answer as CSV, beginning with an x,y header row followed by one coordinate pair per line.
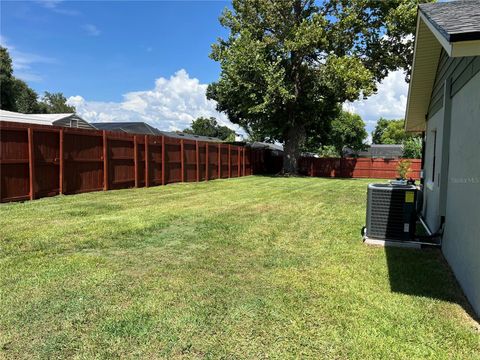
x,y
257,267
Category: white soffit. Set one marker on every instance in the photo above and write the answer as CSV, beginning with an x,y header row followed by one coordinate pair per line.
x,y
425,62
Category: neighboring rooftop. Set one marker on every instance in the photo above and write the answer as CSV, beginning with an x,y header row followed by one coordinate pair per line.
x,y
384,151
146,129
129,127
265,145
456,20
181,135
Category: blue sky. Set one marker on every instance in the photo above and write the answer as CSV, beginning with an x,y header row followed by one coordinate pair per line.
x,y
136,61
104,49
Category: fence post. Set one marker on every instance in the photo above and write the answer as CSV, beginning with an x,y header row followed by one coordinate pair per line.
x,y
163,160
206,161
182,161
197,161
147,172
31,164
135,159
311,167
243,155
60,170
105,161
219,161
238,161
229,161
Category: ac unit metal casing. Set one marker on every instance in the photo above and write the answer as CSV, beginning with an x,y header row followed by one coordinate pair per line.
x,y
391,212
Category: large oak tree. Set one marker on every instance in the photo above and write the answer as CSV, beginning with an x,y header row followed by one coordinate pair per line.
x,y
288,64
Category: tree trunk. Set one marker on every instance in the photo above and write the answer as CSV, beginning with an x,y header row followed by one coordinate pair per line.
x,y
295,134
294,140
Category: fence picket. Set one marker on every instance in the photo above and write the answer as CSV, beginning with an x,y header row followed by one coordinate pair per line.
x,y
31,164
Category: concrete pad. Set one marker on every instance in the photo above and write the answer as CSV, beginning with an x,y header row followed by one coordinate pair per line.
x,y
393,243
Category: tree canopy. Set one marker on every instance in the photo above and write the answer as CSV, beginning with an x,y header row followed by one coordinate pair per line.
x,y
345,130
288,65
209,127
17,96
390,132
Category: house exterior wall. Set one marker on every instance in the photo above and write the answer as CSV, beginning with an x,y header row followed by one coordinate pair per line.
x,y
454,116
461,240
459,69
81,124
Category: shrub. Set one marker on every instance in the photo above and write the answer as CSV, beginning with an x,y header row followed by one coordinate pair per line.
x,y
403,168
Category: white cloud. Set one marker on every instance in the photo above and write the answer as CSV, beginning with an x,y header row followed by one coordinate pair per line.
x,y
389,102
22,61
91,29
171,105
50,4
53,6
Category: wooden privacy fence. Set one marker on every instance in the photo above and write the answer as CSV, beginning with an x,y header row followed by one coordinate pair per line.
x,y
38,161
356,167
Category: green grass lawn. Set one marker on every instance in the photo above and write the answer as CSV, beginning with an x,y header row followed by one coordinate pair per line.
x,y
256,267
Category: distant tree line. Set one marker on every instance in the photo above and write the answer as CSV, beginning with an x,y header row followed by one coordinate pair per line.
x,y
17,96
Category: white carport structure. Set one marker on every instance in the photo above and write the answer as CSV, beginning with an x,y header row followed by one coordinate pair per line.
x,y
65,120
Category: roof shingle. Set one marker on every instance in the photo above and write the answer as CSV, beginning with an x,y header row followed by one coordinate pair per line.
x,y
456,20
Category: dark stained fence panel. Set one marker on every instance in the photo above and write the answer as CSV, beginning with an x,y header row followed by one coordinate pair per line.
x,y
212,161
46,145
155,147
190,160
14,164
121,162
172,160
356,168
38,161
83,161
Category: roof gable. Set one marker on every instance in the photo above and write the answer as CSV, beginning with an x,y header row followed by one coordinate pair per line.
x,y
456,21
439,25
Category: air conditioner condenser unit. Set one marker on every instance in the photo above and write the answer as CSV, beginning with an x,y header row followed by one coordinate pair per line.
x,y
391,212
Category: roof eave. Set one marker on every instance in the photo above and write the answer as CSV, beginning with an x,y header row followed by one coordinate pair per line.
x,y
425,62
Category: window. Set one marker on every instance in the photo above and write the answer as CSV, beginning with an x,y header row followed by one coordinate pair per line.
x,y
434,154
74,123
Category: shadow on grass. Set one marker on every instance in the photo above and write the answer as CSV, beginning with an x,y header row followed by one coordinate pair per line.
x,y
424,273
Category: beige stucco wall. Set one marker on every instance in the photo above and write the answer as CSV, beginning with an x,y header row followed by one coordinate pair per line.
x,y
461,241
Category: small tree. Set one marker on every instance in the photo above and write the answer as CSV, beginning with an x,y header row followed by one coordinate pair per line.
x,y
403,168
